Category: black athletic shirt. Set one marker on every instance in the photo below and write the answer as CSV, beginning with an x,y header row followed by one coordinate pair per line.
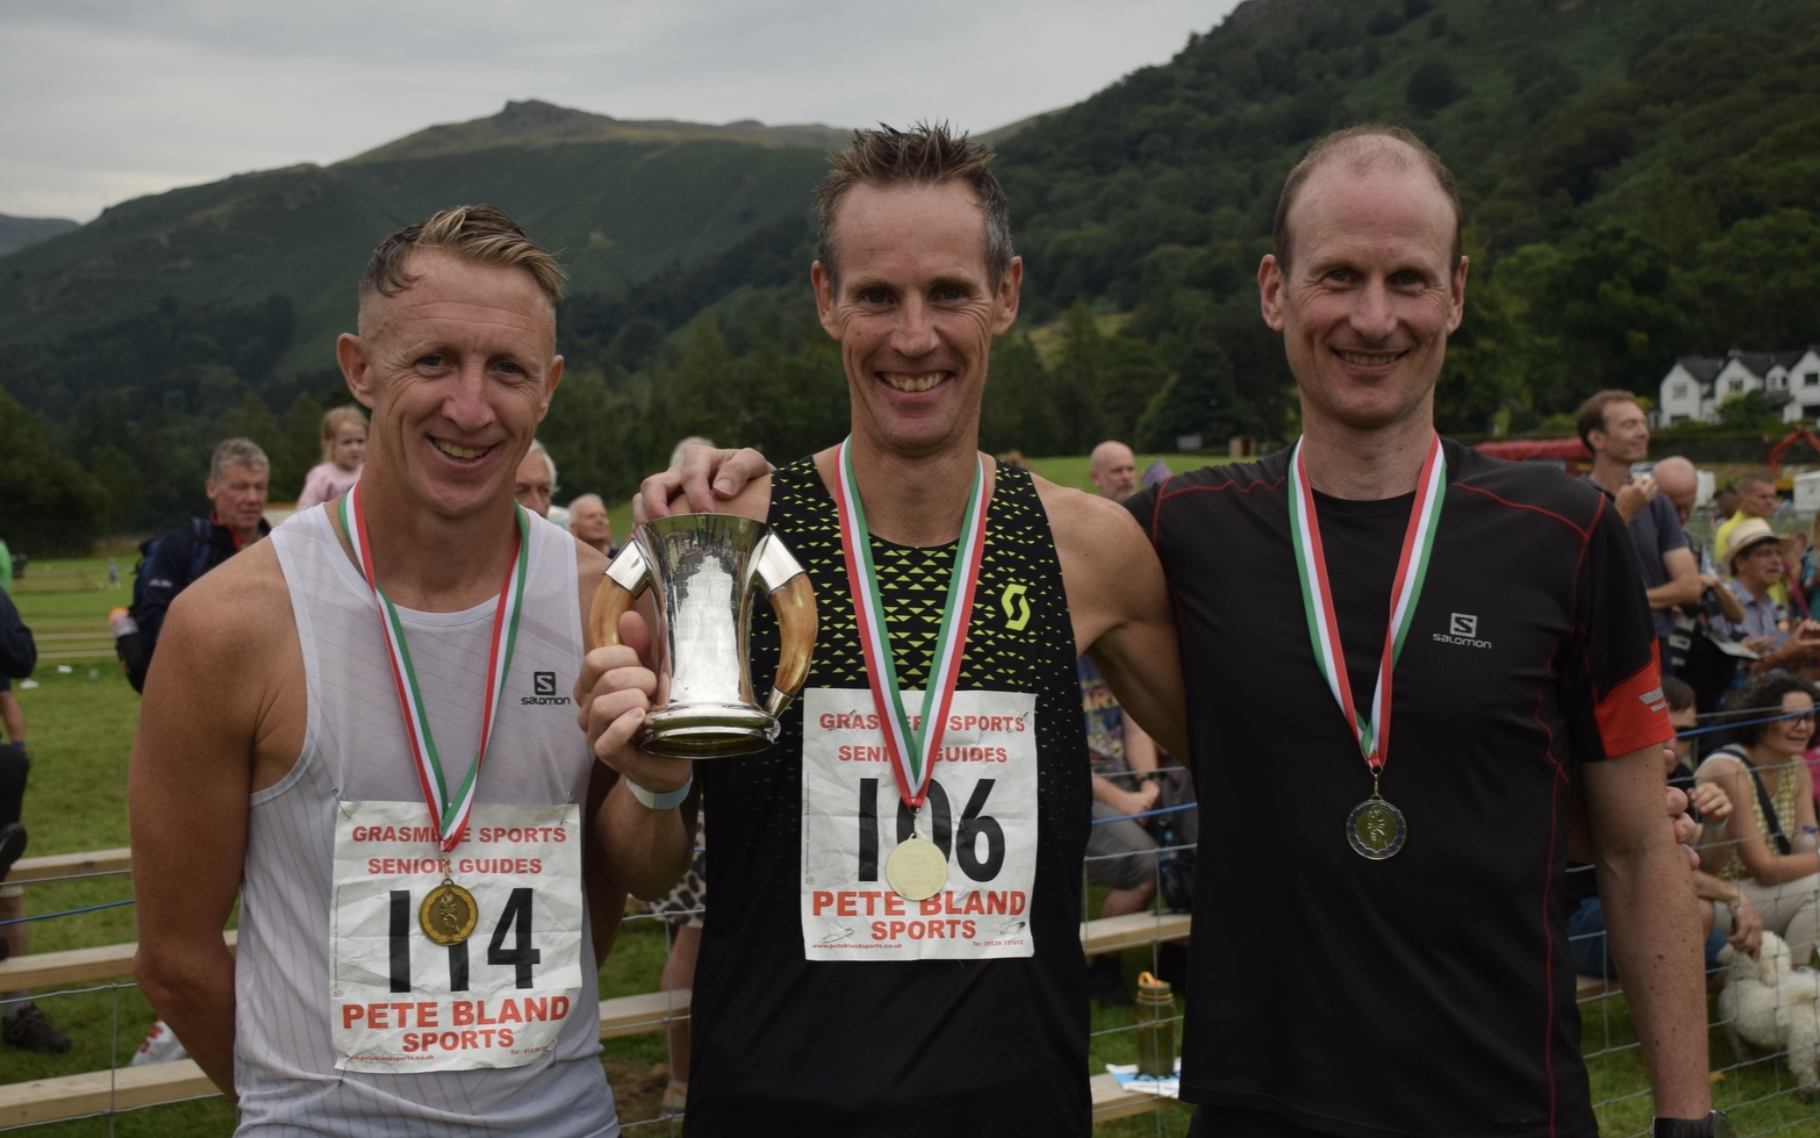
x,y
931,1049
1429,994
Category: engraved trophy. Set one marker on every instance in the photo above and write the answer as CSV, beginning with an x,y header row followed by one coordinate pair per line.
x,y
705,569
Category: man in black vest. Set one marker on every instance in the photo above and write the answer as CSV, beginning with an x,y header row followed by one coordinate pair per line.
x,y
837,992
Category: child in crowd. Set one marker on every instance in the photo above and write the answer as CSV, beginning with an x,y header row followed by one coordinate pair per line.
x,y
344,448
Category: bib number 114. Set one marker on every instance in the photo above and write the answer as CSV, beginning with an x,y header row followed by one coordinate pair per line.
x,y
514,922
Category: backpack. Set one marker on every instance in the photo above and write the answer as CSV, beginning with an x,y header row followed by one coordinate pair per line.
x,y
201,533
134,650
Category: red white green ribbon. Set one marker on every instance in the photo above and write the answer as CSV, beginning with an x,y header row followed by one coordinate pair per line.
x,y
912,745
449,810
1317,597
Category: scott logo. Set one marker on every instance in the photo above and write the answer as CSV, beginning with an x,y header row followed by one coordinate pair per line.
x,y
1463,624
1016,618
543,688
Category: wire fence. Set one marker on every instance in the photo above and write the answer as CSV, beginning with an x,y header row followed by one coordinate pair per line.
x,y
1764,1014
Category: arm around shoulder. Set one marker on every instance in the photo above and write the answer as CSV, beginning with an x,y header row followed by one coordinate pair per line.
x,y
1120,604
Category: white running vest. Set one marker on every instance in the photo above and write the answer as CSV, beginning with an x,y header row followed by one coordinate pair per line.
x,y
355,750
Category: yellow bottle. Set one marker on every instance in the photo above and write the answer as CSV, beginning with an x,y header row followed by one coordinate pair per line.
x,y
1155,1027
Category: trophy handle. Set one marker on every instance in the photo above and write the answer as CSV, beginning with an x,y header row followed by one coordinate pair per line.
x,y
627,577
793,600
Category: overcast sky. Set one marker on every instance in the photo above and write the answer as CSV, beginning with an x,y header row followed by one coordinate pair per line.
x,y
105,100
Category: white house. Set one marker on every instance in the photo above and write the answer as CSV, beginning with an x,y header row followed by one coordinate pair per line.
x,y
1695,387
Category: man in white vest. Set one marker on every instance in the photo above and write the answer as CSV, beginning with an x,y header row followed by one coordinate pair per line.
x,y
364,731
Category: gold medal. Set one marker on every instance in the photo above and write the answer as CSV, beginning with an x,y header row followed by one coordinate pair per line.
x,y
1376,829
448,913
917,869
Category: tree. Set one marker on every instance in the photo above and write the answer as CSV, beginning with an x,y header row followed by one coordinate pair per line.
x,y
1432,87
1200,399
48,505
1749,412
1759,285
1018,412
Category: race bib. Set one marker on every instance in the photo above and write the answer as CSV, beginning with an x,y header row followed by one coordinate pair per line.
x,y
401,1003
981,813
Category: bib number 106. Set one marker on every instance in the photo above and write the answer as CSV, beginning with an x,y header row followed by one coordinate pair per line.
x,y
514,922
959,842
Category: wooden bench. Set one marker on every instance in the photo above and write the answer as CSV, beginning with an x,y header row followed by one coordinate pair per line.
x,y
75,966
85,965
1133,930
73,1096
94,1092
1112,1101
28,869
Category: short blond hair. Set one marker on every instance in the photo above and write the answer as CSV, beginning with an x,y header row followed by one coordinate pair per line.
x,y
332,422
477,234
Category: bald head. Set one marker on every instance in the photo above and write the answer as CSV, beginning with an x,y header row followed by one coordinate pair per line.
x,y
1114,471
588,521
1680,481
1362,150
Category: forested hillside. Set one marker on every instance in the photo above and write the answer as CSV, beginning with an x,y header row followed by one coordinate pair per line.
x,y
619,201
1640,179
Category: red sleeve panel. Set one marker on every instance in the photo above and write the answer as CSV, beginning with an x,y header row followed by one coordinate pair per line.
x,y
1634,715
1612,678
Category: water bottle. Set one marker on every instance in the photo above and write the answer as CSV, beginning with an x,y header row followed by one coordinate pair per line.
x,y
1155,1027
122,622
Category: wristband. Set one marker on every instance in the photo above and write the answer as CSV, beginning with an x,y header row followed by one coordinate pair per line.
x,y
667,801
1714,1125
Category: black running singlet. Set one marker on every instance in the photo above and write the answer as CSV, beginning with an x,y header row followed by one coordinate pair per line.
x,y
834,1007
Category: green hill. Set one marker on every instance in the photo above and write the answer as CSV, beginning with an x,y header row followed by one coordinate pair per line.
x,y
619,201
1640,180
18,232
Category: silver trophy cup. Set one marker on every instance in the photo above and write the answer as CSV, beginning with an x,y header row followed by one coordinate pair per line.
x,y
705,569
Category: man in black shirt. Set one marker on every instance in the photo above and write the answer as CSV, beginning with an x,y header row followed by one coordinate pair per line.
x,y
236,488
1614,428
1415,885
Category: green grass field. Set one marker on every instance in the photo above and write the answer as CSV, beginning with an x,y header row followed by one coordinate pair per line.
x,y
81,722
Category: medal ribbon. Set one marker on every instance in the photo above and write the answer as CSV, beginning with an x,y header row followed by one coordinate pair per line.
x,y
448,811
912,751
1317,597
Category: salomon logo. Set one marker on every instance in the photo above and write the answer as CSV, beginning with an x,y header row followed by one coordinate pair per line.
x,y
1463,630
543,684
